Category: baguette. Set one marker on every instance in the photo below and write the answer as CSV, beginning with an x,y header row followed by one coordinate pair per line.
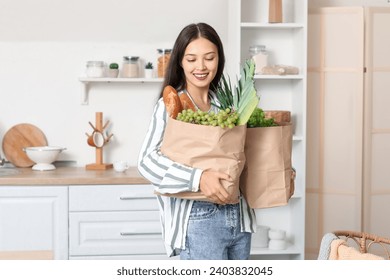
x,y
186,102
172,101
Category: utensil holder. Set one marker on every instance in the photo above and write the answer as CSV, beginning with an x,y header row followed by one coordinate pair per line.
x,y
99,165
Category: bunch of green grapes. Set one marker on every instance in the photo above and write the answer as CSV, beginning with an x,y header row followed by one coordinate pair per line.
x,y
224,118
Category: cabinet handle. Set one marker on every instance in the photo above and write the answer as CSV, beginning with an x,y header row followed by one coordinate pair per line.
x,y
139,233
132,197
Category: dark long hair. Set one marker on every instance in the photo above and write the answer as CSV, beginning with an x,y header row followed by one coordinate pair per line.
x,y
174,75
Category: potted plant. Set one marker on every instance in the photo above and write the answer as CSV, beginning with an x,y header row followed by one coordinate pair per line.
x,y
113,70
149,70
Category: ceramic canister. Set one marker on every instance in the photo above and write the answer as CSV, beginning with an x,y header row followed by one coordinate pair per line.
x,y
260,238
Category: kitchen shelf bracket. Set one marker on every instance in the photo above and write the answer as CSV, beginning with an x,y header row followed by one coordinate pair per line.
x,y
84,92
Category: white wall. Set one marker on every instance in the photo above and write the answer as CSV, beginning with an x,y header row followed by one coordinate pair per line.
x,y
44,45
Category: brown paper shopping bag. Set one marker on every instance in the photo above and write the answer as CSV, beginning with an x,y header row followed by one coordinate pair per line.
x,y
266,180
207,148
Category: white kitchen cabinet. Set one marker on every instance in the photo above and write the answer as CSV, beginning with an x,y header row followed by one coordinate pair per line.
x,y
34,219
114,222
286,43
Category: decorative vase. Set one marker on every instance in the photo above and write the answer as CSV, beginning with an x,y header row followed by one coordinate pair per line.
x,y
275,11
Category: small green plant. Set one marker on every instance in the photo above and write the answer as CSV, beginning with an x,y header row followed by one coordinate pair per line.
x,y
149,65
114,65
258,119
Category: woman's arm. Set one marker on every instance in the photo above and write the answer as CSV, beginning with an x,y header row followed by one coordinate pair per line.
x,y
168,176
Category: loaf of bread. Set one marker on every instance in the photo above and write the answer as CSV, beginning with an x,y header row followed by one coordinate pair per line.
x,y
172,102
186,102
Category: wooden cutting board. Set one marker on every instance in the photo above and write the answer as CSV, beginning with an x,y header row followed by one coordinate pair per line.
x,y
21,136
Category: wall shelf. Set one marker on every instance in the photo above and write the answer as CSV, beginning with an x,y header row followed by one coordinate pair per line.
x,y
291,249
271,26
279,77
86,83
121,80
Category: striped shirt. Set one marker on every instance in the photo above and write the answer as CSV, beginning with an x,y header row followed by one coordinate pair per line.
x,y
171,177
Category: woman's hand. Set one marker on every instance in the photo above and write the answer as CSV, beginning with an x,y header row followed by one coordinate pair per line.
x,y
211,187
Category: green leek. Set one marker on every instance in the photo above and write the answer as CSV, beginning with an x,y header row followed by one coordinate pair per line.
x,y
244,98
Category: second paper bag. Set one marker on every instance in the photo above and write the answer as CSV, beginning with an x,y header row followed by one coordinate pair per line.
x,y
266,180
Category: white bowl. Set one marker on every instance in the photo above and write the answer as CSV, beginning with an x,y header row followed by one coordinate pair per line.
x,y
277,244
277,234
43,156
121,166
260,238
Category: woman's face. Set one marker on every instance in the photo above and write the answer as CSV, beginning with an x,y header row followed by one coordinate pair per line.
x,y
200,63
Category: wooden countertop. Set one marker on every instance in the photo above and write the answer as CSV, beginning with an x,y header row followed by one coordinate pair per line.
x,y
73,176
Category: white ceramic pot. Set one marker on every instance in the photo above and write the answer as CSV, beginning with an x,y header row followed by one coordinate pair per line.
x,y
149,73
121,166
112,73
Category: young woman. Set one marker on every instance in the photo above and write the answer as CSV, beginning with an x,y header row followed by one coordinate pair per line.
x,y
220,229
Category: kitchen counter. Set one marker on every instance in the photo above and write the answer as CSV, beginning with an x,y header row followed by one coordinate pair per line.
x,y
72,176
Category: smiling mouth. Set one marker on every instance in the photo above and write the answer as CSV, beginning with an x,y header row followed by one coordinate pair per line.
x,y
200,76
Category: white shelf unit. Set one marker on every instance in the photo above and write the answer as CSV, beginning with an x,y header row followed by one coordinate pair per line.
x,y
87,82
286,44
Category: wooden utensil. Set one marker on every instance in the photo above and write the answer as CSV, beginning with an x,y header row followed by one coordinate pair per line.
x,y
99,130
21,136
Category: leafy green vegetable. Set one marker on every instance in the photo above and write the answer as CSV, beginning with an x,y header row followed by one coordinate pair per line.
x,y
257,119
225,93
243,98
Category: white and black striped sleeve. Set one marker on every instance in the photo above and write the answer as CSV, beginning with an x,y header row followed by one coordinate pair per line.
x,y
166,175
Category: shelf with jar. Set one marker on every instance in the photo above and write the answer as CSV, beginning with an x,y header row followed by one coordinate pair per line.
x,y
278,25
272,13
86,83
284,49
133,70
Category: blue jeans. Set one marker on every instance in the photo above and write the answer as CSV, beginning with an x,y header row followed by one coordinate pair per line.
x,y
214,233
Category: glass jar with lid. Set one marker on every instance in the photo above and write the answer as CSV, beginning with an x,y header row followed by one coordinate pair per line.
x,y
130,67
260,56
95,69
162,61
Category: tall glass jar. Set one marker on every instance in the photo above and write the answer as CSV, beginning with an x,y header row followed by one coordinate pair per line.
x,y
95,69
130,67
260,55
162,61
